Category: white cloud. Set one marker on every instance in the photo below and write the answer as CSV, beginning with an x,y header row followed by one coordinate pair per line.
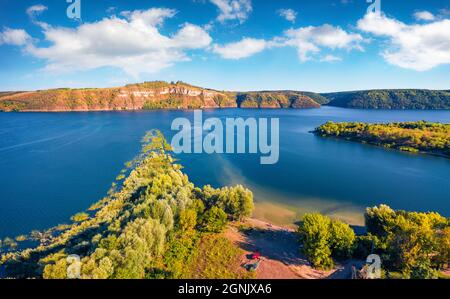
x,y
15,37
330,58
418,47
35,10
424,16
191,37
310,40
131,42
242,49
233,9
289,14
148,18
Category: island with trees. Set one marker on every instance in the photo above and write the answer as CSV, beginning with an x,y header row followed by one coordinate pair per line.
x,y
421,136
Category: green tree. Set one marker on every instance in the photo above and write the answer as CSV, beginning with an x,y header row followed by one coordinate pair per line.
x,y
187,221
423,270
236,201
342,239
314,233
80,217
57,270
214,220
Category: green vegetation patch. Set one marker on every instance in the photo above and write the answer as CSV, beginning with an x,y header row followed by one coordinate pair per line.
x,y
153,225
391,99
410,244
421,136
217,258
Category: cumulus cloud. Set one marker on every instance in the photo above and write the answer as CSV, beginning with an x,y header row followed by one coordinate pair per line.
x,y
289,14
242,49
310,40
35,10
424,16
233,9
330,58
419,47
131,42
14,37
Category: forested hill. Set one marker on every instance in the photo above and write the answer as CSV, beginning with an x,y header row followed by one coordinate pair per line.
x,y
391,99
180,95
152,95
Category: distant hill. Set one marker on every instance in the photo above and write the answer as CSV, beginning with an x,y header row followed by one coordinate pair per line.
x,y
391,99
151,95
148,95
180,95
275,99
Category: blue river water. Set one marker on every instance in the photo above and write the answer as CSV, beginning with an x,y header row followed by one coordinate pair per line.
x,y
53,165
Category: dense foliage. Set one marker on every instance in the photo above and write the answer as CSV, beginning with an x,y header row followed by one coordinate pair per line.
x,y
154,224
323,238
416,245
276,99
391,99
419,136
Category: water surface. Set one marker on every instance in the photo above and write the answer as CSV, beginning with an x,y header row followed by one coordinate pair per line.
x,y
56,164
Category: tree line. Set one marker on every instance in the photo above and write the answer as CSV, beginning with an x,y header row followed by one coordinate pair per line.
x,y
410,244
421,136
151,225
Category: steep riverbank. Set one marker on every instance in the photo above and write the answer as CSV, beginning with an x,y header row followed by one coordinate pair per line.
x,y
150,96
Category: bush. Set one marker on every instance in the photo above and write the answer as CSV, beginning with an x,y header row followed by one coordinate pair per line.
x,y
214,220
423,270
323,238
342,239
314,233
80,217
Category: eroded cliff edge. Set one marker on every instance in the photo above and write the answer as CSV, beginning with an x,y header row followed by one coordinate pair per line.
x,y
149,95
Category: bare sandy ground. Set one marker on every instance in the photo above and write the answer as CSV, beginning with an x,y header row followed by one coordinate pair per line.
x,y
279,248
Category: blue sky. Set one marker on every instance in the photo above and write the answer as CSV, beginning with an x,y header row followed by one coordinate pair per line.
x,y
327,45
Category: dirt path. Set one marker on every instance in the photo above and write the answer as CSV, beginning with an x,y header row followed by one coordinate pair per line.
x,y
280,253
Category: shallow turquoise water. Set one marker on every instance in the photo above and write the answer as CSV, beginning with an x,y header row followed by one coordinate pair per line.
x,y
56,164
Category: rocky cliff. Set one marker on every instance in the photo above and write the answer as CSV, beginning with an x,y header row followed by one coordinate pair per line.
x,y
149,95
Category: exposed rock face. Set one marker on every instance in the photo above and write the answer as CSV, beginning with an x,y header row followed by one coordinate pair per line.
x,y
149,95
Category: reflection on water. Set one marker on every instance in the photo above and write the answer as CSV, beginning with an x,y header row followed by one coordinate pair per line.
x,y
283,209
56,164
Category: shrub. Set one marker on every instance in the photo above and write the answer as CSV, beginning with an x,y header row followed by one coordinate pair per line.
x,y
324,238
214,220
80,217
314,233
342,239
